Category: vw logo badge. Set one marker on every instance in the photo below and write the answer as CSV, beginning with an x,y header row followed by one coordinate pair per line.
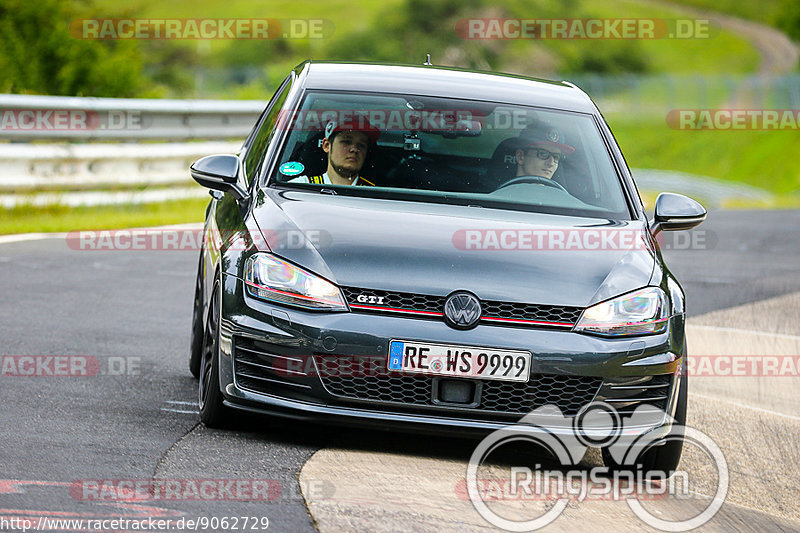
x,y
462,310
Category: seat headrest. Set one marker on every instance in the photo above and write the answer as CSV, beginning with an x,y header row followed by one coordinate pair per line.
x,y
503,164
310,153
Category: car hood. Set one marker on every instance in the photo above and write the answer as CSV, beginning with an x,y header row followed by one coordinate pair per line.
x,y
435,249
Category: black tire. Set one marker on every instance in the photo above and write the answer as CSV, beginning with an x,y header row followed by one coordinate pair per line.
x,y
212,412
196,339
664,458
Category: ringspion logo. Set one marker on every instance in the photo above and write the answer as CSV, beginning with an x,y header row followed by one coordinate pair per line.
x,y
525,484
627,440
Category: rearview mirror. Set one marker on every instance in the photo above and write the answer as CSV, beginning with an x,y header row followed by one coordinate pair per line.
x,y
219,172
464,128
676,212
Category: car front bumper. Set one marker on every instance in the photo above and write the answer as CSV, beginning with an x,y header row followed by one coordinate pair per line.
x,y
276,360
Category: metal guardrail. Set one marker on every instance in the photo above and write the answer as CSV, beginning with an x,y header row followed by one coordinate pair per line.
x,y
92,147
87,173
26,117
82,165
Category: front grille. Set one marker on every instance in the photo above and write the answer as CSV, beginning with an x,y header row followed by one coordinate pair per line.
x,y
401,301
629,393
568,393
398,389
427,306
257,369
538,313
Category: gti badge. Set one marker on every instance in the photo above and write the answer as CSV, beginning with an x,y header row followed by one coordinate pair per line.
x,y
462,310
367,299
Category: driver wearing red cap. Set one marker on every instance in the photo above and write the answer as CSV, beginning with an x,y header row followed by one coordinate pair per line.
x,y
347,145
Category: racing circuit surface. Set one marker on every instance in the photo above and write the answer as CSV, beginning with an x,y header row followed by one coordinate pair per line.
x,y
134,417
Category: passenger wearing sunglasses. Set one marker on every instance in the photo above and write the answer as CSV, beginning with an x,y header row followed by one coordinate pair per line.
x,y
542,151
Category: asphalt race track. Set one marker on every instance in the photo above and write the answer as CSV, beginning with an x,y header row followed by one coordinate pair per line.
x,y
127,314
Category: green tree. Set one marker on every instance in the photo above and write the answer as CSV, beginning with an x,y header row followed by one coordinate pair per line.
x,y
613,57
39,55
789,19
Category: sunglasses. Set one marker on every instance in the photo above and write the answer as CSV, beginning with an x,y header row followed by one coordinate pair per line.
x,y
545,154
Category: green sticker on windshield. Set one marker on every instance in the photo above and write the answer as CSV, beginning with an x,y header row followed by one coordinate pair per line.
x,y
292,168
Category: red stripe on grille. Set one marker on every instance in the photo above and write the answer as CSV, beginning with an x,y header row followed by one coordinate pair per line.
x,y
523,321
396,310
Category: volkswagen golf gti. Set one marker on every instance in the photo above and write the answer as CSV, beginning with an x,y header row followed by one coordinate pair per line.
x,y
435,249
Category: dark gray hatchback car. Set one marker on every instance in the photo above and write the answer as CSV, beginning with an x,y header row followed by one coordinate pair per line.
x,y
435,249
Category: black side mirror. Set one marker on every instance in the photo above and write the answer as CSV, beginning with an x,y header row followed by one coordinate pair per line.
x,y
676,212
219,172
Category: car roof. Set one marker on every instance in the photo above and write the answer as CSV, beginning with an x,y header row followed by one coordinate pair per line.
x,y
444,81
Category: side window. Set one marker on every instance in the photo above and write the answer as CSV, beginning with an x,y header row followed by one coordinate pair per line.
x,y
266,129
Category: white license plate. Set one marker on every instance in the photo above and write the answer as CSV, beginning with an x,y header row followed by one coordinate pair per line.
x,y
461,361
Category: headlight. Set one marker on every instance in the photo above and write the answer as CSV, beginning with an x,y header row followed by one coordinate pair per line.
x,y
269,278
640,312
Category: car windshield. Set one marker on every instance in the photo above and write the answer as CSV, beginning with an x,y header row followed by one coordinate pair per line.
x,y
451,151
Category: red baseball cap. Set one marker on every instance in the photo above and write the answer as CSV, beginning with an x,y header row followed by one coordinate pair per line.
x,y
544,134
359,123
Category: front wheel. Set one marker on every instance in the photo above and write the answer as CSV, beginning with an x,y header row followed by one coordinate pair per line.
x,y
196,339
212,411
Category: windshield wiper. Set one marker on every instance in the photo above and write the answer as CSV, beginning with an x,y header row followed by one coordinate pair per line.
x,y
328,191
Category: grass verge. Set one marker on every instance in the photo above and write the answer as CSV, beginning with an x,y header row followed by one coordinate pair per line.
x,y
59,218
759,158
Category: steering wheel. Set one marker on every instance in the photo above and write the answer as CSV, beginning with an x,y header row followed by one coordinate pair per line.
x,y
532,179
